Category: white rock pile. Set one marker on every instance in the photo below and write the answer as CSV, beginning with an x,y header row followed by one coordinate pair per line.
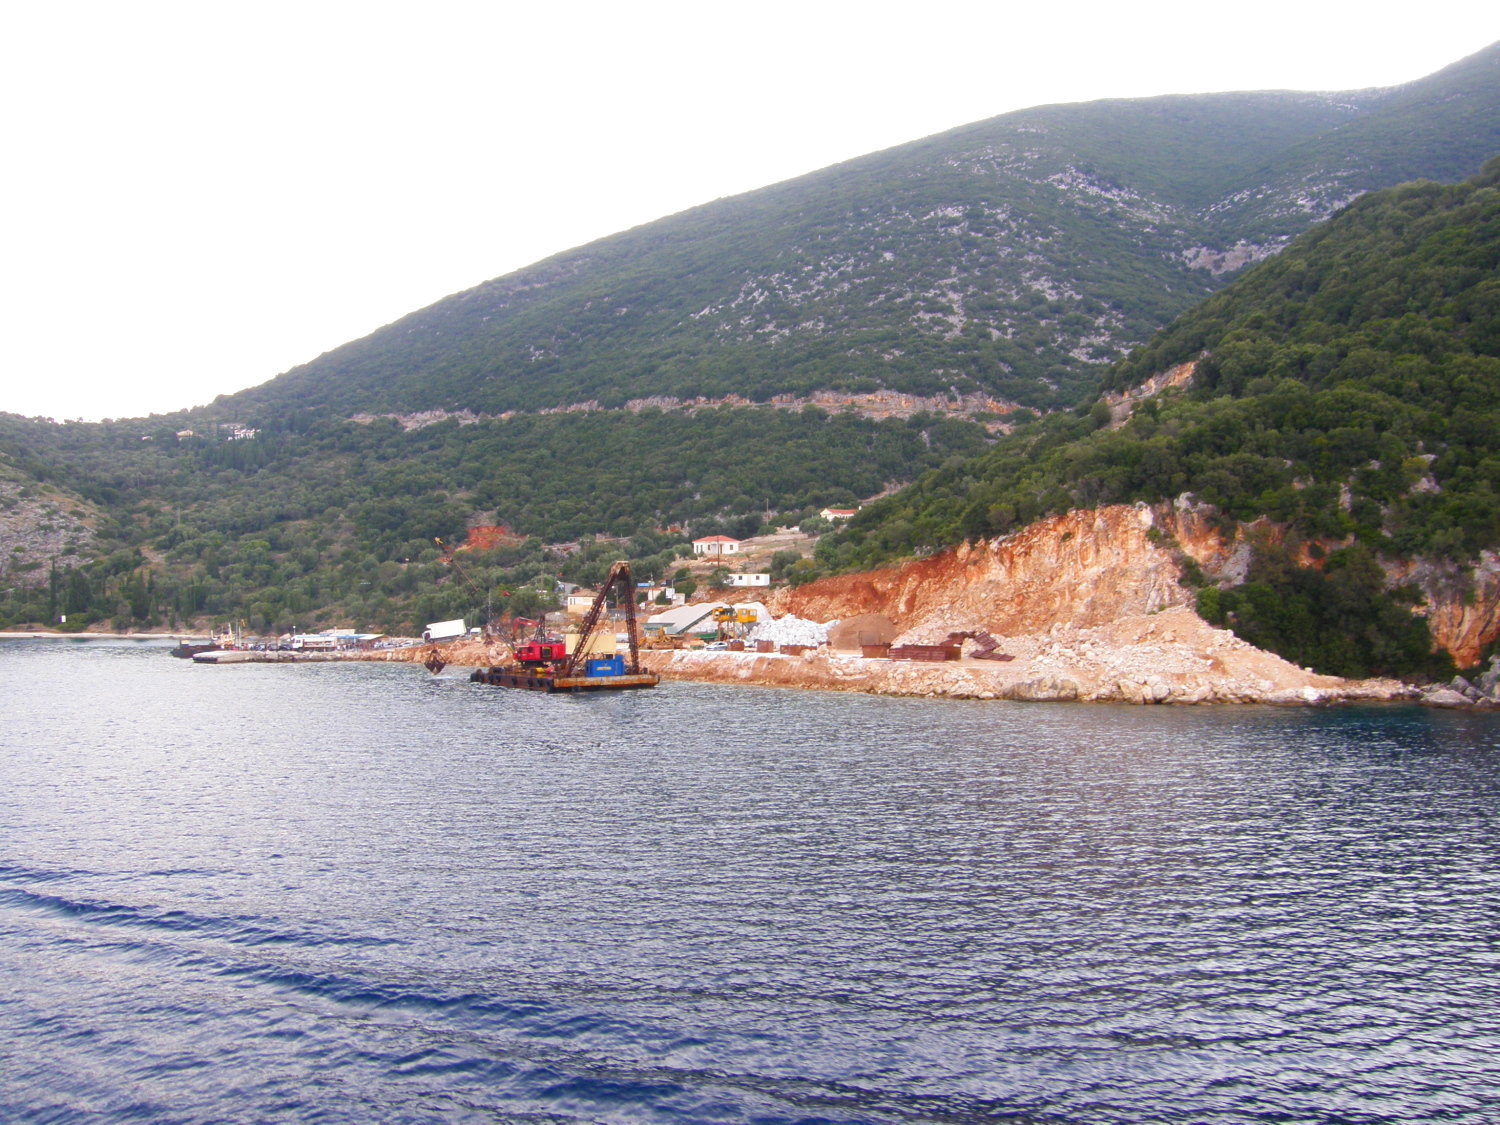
x,y
790,630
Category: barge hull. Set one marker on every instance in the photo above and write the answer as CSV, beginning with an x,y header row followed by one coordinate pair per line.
x,y
525,681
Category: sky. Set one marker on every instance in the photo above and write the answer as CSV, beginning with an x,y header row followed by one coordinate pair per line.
x,y
199,196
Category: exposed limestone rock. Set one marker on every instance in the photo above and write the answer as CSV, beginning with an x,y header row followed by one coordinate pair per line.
x,y
39,527
1085,568
1463,606
1090,567
1171,657
1446,697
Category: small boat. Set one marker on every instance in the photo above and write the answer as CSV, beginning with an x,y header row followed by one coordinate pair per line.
x,y
188,649
227,637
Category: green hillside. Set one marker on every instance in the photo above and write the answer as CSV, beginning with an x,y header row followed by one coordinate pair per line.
x,y
1016,257
333,522
1348,389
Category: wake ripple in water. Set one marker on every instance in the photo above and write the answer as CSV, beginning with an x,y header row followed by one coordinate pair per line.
x,y
455,1054
708,905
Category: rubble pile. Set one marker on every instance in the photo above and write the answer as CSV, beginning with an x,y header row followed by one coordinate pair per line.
x,y
790,630
1168,657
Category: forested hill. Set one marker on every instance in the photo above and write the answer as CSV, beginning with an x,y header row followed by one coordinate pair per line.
x,y
1012,258
1016,257
1347,390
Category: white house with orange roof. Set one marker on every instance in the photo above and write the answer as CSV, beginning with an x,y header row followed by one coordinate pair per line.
x,y
716,546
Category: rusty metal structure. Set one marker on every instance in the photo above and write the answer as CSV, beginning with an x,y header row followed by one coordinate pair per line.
x,y
553,671
619,578
985,648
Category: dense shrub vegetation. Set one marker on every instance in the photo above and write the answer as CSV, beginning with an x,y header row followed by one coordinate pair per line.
x,y
1348,389
1014,257
315,521
1340,619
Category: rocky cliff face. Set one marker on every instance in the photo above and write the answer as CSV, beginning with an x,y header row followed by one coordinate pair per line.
x,y
40,526
1082,569
1463,606
1089,568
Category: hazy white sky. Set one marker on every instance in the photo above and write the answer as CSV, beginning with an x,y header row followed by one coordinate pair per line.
x,y
199,196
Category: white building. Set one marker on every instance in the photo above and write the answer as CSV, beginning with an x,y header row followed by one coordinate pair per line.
x,y
716,546
650,591
579,601
750,579
684,619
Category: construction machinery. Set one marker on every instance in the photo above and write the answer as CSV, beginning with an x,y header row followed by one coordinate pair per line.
x,y
734,622
537,651
584,660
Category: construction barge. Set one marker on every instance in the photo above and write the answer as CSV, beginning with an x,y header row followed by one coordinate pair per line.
x,y
545,681
583,661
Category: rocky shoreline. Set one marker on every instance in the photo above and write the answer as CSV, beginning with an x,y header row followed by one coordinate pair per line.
x,y
1171,657
1168,657
975,679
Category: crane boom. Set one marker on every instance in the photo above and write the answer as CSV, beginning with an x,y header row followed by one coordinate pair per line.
x,y
619,577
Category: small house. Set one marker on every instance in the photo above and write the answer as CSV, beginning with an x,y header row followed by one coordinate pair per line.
x,y
579,600
716,546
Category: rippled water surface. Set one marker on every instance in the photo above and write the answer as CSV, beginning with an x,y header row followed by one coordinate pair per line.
x,y
356,893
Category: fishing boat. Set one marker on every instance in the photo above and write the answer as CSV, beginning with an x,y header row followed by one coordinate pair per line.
x,y
226,638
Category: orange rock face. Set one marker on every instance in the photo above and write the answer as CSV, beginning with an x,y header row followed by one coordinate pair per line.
x,y
1463,608
1082,569
1088,568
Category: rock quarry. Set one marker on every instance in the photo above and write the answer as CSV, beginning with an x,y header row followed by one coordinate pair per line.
x,y
1088,606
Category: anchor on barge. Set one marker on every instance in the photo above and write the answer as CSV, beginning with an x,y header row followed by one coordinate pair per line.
x,y
586,660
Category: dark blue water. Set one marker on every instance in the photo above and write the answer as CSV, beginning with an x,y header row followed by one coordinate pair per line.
x,y
354,893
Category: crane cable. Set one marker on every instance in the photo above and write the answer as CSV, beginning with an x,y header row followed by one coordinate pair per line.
x,y
451,557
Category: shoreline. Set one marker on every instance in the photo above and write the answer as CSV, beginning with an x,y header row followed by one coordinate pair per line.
x,y
43,635
1058,667
1161,663
983,680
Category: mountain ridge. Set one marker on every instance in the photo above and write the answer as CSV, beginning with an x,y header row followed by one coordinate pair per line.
x,y
885,283
1015,257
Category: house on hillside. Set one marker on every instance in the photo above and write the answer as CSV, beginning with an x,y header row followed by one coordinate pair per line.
x,y
837,513
716,546
579,600
750,579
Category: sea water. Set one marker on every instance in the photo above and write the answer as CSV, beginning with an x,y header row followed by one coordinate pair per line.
x,y
360,893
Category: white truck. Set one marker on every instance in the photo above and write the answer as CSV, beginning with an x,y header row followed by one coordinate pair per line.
x,y
444,630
